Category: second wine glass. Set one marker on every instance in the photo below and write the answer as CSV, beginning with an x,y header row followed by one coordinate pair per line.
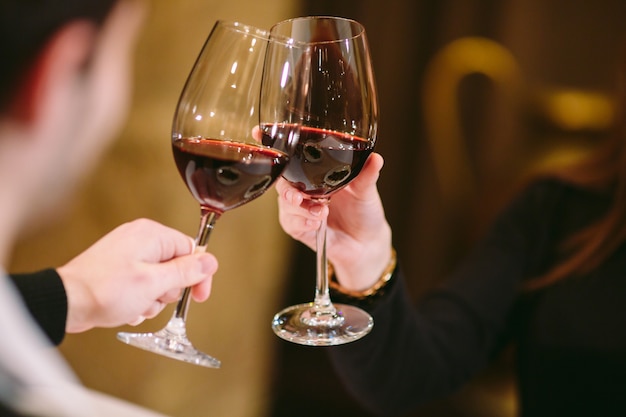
x,y
337,103
218,154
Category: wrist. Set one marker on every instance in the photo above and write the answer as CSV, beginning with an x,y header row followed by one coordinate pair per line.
x,y
360,263
373,290
77,304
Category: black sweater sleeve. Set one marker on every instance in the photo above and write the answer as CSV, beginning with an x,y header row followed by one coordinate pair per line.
x,y
44,296
416,353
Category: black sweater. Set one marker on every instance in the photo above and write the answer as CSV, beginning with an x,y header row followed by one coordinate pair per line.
x,y
44,295
570,338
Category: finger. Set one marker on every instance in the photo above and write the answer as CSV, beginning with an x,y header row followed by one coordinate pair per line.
x,y
314,209
304,217
293,202
182,272
257,134
306,208
287,193
297,225
170,296
201,291
138,321
162,242
173,243
153,310
280,185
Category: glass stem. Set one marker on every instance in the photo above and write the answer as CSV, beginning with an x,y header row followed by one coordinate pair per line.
x,y
207,220
322,303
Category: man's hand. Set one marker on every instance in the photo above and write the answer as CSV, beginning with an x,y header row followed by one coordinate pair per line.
x,y
131,274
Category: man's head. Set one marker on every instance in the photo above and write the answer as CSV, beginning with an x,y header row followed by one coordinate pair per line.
x,y
27,25
64,94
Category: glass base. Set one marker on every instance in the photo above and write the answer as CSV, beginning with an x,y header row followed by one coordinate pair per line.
x,y
304,325
169,344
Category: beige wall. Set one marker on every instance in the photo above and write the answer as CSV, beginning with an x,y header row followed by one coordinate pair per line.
x,y
138,179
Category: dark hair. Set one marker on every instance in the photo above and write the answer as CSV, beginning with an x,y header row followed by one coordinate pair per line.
x,y
25,27
605,171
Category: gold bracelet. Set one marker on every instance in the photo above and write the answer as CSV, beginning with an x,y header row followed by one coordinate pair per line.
x,y
374,289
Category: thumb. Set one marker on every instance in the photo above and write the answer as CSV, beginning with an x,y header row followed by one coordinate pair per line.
x,y
365,182
189,270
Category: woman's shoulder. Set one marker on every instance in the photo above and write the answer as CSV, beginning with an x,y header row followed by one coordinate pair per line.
x,y
555,206
554,189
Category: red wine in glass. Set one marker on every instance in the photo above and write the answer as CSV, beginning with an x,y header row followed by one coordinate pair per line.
x,y
217,153
222,175
333,101
324,161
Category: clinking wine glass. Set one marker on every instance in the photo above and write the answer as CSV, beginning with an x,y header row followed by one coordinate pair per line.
x,y
218,154
338,127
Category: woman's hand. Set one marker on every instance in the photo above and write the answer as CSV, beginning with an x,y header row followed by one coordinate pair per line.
x,y
358,237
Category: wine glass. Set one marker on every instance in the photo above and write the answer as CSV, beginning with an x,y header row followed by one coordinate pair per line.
x,y
218,155
338,128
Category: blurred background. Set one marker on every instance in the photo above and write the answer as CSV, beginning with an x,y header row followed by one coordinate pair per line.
x,y
475,96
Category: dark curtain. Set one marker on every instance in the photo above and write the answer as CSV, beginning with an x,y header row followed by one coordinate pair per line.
x,y
557,46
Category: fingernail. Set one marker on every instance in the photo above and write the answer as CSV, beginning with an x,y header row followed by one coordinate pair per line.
x,y
207,264
289,195
315,210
